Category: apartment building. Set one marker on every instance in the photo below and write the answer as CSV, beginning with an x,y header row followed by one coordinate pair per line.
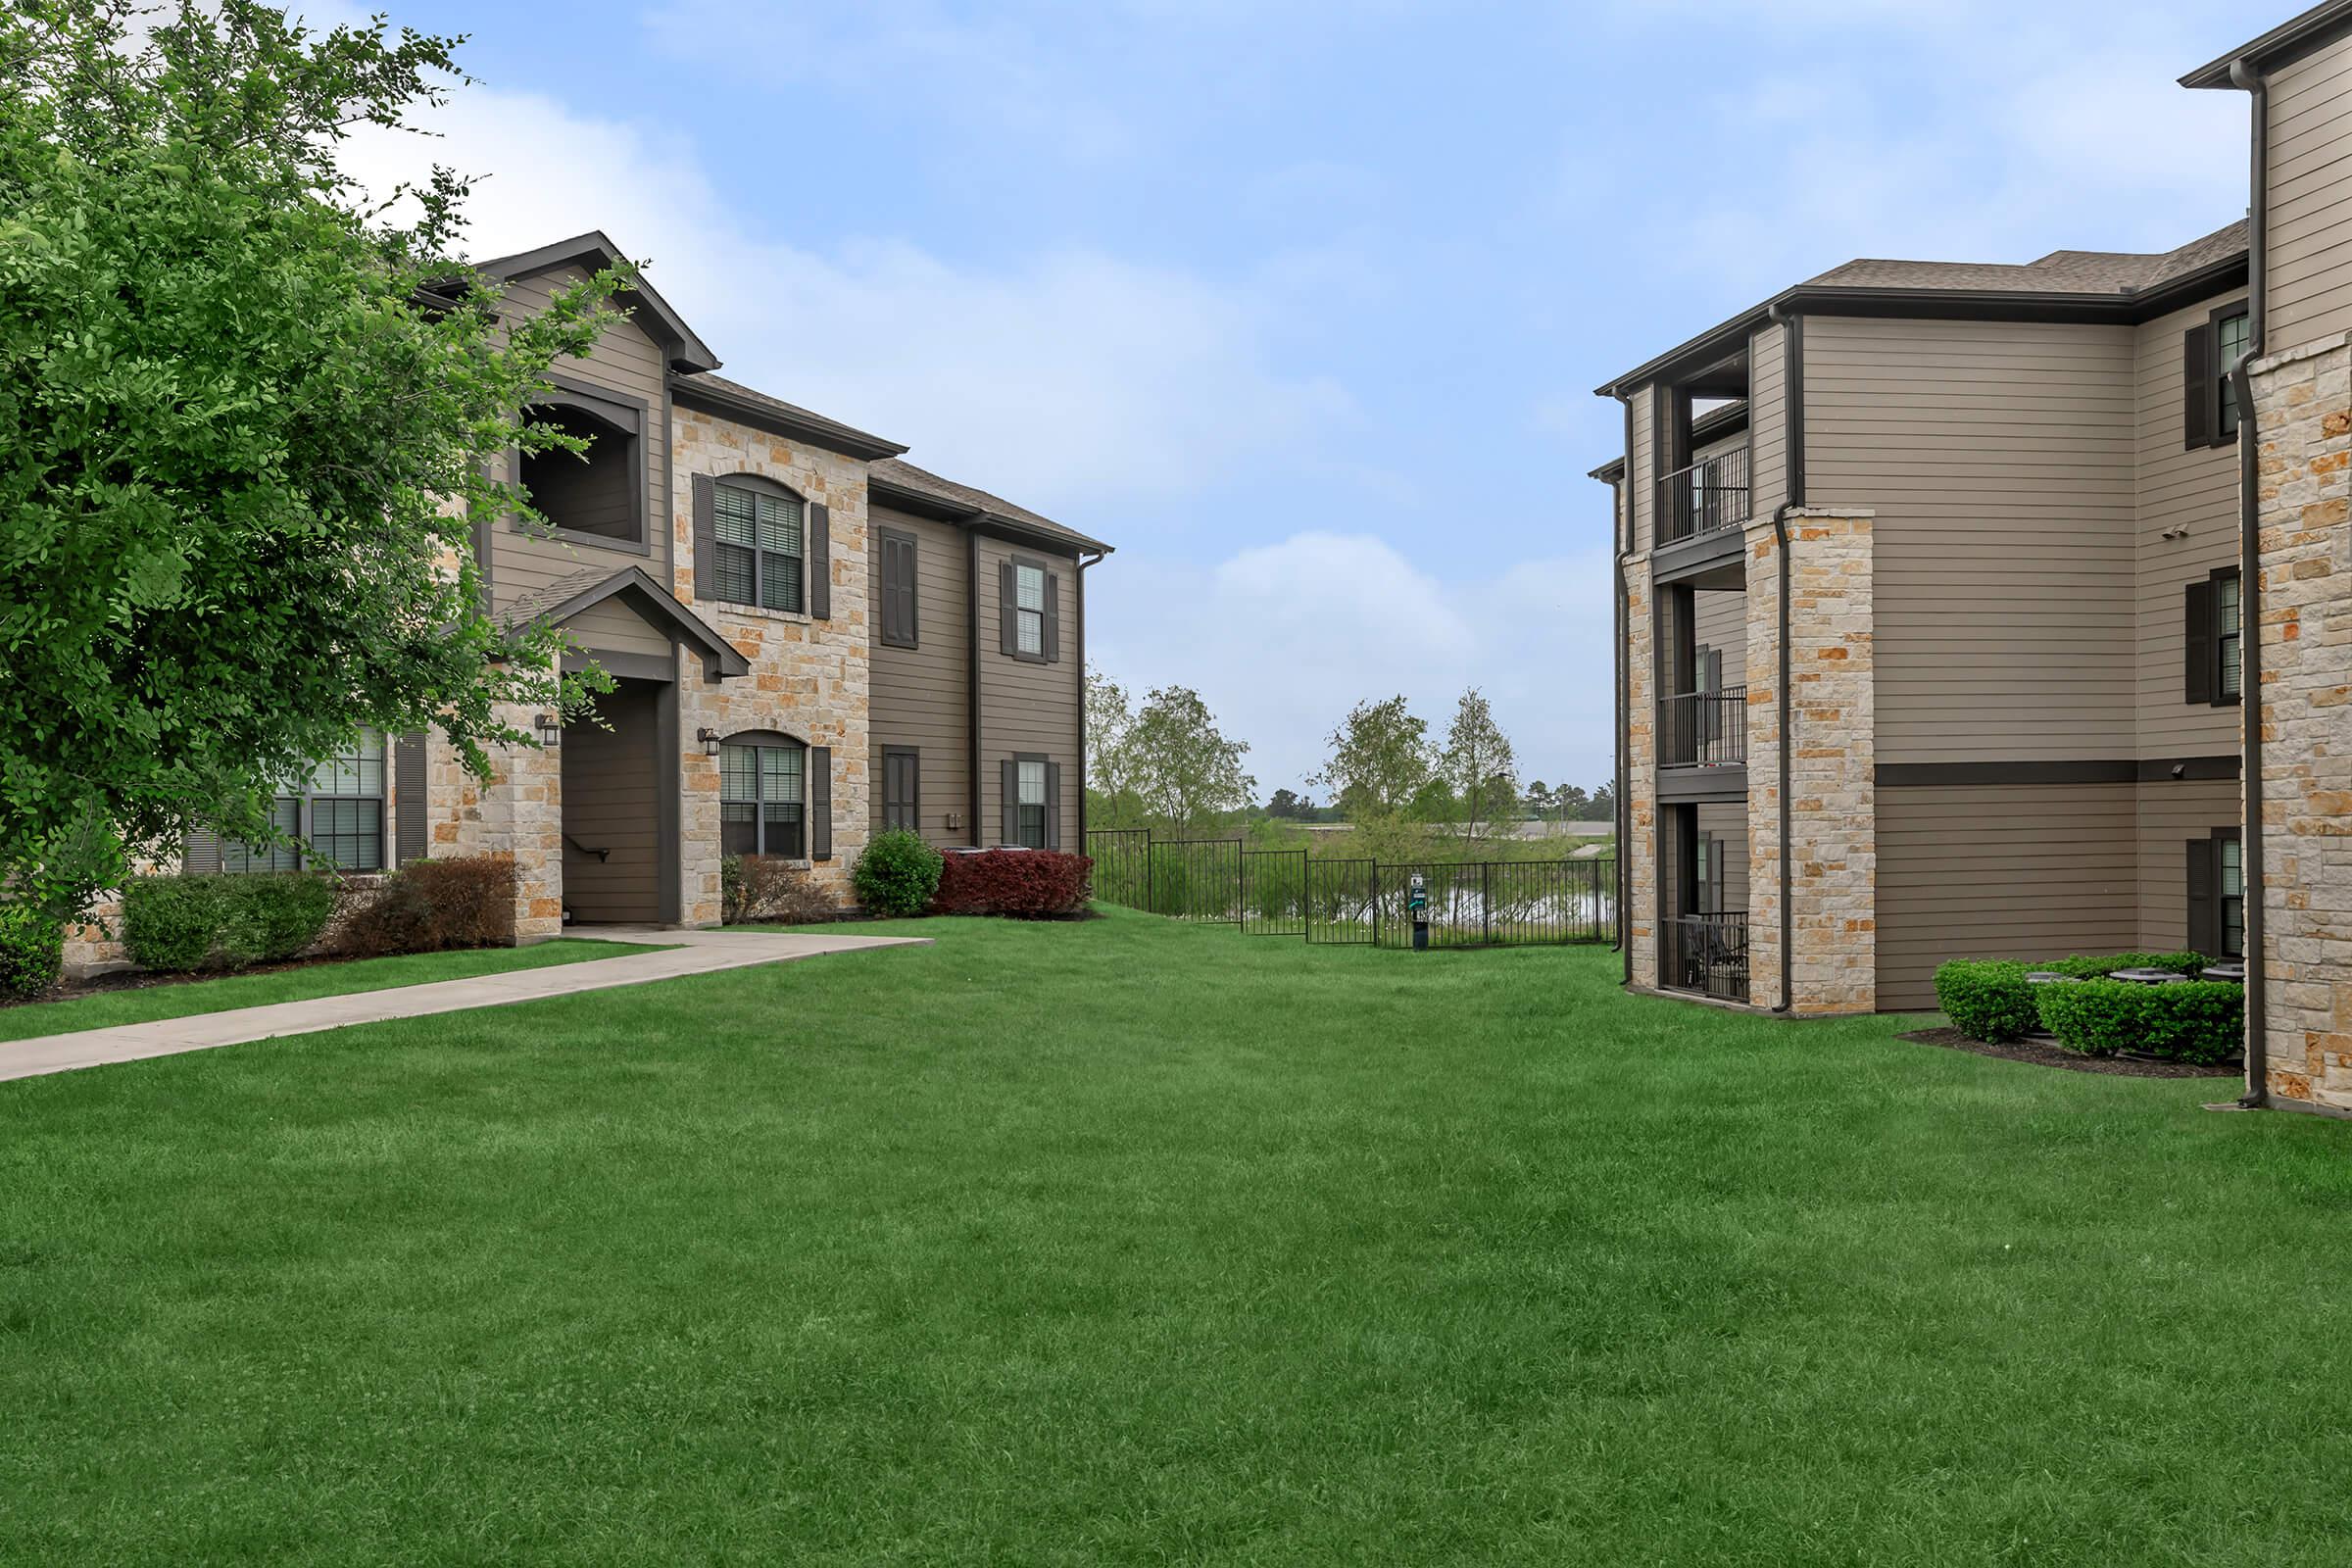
x,y
809,640
1949,595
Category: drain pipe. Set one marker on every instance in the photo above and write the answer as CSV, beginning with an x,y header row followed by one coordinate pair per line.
x,y
1792,421
2246,79
1621,522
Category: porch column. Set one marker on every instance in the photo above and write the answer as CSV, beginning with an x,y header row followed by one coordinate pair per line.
x,y
2303,411
518,814
1832,785
1639,853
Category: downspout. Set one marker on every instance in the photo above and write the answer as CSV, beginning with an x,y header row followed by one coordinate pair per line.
x,y
1621,528
1084,560
2250,576
1792,418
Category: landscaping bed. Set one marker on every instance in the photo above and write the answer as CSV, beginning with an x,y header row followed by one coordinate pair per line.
x,y
2078,1003
2046,1052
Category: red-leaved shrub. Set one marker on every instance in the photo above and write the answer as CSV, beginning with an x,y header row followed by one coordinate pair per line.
x,y
464,902
1025,884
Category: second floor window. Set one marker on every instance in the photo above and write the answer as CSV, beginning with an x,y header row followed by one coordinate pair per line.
x,y
2230,335
2227,640
2213,639
2209,409
760,547
763,799
1029,588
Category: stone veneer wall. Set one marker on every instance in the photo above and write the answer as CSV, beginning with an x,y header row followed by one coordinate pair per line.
x,y
2303,403
517,812
1639,851
809,678
1833,772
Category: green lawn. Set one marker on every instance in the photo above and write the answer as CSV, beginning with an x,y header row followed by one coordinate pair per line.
x,y
1121,1242
106,1008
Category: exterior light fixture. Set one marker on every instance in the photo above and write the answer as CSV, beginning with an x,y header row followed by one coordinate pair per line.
x,y
550,727
709,740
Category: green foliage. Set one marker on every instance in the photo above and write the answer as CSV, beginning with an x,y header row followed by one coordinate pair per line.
x,y
1987,998
2201,1022
1479,766
2080,969
898,874
33,950
1183,769
1377,762
248,410
179,924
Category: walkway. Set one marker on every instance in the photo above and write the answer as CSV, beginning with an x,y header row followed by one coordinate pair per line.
x,y
688,953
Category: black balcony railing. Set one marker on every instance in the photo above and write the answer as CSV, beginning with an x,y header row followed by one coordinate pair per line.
x,y
1705,496
1708,954
1703,729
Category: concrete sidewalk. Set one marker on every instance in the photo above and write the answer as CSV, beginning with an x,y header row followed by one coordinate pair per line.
x,y
689,953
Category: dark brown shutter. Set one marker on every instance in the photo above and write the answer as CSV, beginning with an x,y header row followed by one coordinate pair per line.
x,y
2198,611
2204,908
408,841
1008,598
898,590
910,790
820,802
1052,805
203,853
1053,618
706,539
820,563
1011,776
2196,387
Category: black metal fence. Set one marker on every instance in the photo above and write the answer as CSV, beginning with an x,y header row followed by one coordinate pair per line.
x,y
1708,954
1703,729
1703,497
1290,893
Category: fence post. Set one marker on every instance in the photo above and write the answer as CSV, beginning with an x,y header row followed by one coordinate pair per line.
x,y
1486,901
1376,904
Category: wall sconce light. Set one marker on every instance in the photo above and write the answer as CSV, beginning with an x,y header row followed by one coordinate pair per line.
x,y
709,740
550,727
2174,533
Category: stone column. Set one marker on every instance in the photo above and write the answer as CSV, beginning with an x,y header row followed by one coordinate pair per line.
x,y
518,814
1641,848
1833,768
2303,414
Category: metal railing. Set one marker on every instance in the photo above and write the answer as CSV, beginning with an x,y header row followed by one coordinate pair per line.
x,y
1708,954
1708,495
1703,729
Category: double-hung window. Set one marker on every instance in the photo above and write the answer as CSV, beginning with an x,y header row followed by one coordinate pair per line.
x,y
760,549
2213,639
337,811
2209,409
763,799
1030,815
1029,609
2230,882
2230,335
2217,894
2228,641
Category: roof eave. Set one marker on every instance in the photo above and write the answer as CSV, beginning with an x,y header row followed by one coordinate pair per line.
x,y
2289,41
816,432
688,352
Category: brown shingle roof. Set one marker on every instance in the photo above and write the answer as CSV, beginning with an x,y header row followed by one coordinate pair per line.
x,y
2059,273
804,421
921,481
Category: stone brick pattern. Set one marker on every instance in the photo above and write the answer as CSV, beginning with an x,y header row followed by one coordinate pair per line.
x,y
1639,851
809,678
2303,402
1833,768
517,812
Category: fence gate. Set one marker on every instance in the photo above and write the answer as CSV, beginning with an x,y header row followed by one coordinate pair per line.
x,y
1343,903
1274,893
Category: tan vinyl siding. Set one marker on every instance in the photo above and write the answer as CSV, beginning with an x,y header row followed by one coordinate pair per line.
x,y
1728,820
1767,421
1641,477
610,802
1028,708
629,363
1719,620
918,696
612,627
2011,871
2170,814
2178,488
2309,198
1998,458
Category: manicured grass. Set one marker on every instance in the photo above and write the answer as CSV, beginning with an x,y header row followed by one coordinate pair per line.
x,y
105,1008
1121,1242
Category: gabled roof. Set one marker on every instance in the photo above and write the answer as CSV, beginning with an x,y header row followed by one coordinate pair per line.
x,y
649,309
565,597
2282,45
2063,273
919,489
757,409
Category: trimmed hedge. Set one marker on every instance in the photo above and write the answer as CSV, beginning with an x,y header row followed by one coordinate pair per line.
x,y
32,952
2202,1021
1023,884
769,888
898,873
2187,964
465,901
1987,998
179,924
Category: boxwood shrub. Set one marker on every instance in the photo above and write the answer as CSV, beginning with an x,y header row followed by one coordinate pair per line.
x,y
898,874
1988,998
32,952
2187,964
176,924
2202,1021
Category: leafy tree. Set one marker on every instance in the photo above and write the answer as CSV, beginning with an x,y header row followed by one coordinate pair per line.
x,y
1186,772
1603,806
247,412
1379,760
1539,799
1569,803
1477,764
1111,800
1433,802
1287,805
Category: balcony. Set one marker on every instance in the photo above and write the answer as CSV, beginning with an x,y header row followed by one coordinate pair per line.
x,y
1706,955
1707,496
1703,729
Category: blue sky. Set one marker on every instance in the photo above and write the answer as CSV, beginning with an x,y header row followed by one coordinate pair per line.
x,y
1301,306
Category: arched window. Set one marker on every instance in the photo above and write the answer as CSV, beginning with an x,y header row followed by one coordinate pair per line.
x,y
760,549
599,493
763,795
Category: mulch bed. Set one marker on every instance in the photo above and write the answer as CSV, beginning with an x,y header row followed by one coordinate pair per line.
x,y
2046,1054
143,979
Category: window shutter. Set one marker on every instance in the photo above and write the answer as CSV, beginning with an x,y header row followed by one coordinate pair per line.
x,y
2197,615
1053,618
2196,387
203,853
1706,663
409,833
898,590
1008,598
1052,805
1011,771
2204,908
820,802
820,563
910,789
705,538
